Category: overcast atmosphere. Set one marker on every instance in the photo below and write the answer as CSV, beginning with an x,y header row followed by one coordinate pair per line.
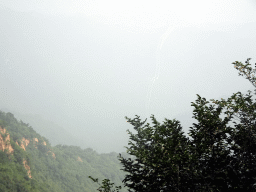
x,y
85,65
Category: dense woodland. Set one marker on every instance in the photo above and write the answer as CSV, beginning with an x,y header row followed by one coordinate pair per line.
x,y
59,168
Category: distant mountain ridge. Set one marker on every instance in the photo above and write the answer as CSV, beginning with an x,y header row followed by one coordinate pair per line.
x,y
28,162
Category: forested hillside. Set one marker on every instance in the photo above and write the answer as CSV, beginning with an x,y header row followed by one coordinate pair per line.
x,y
29,163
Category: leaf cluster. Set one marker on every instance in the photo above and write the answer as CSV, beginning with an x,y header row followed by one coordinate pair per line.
x,y
106,186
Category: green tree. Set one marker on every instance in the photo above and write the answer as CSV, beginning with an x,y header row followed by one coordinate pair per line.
x,y
218,156
167,160
161,156
210,148
242,107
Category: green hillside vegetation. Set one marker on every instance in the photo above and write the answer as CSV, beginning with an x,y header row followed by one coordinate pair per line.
x,y
60,168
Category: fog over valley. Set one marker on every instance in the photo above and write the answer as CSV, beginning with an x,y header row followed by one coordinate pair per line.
x,y
73,70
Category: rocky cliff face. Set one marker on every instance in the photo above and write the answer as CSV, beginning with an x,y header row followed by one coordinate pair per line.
x,y
24,143
27,167
79,159
5,141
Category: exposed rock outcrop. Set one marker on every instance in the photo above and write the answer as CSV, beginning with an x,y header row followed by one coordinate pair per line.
x,y
24,143
25,163
5,141
35,141
53,154
79,159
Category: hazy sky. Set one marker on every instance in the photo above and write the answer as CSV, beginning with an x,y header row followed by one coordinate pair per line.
x,y
87,64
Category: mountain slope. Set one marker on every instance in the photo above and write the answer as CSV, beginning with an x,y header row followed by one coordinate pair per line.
x,y
29,163
54,133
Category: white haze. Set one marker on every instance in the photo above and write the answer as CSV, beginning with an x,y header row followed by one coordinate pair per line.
x,y
85,65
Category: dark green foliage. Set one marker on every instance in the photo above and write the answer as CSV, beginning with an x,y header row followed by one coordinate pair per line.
x,y
217,156
210,154
161,153
106,186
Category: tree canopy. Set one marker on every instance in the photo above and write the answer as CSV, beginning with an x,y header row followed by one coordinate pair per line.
x,y
218,155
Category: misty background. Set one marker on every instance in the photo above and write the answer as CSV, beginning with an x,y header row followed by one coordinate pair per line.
x,y
79,67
